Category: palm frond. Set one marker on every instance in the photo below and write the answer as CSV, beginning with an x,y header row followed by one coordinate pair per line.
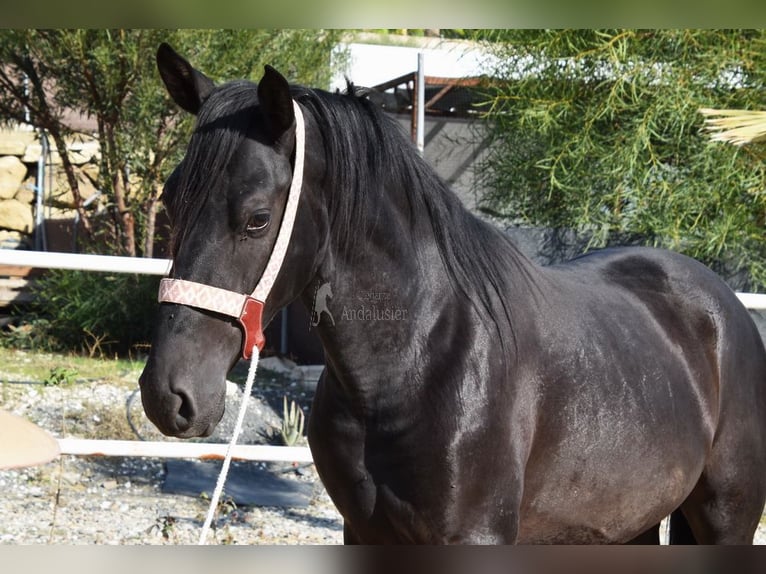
x,y
738,127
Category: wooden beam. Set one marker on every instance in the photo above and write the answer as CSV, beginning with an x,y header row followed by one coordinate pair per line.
x,y
15,271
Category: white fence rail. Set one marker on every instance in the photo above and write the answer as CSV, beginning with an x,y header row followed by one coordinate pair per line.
x,y
200,450
113,264
106,263
754,301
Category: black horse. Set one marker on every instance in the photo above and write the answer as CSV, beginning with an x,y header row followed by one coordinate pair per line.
x,y
469,395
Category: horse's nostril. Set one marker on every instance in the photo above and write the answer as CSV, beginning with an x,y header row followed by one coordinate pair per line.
x,y
185,413
186,410
182,423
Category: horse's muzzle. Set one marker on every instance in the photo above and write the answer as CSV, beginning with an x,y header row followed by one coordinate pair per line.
x,y
175,412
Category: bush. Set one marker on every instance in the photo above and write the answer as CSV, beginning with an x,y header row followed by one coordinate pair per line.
x,y
599,131
88,312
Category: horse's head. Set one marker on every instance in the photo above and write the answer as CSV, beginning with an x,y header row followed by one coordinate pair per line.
x,y
225,201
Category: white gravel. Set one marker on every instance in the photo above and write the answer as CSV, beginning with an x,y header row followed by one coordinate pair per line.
x,y
118,500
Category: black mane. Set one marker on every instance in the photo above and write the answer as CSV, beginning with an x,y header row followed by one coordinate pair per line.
x,y
369,152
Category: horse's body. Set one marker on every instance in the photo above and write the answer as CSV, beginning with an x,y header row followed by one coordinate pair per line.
x,y
472,396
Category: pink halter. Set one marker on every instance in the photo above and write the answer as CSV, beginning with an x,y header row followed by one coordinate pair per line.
x,y
247,309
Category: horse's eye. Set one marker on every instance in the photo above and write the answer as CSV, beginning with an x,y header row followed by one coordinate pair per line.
x,y
258,222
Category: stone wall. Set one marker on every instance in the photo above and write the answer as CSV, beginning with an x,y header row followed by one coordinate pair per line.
x,y
20,151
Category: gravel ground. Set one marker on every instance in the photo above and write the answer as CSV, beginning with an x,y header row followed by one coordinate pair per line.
x,y
119,500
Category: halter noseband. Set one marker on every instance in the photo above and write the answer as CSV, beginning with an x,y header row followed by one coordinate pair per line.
x,y
247,309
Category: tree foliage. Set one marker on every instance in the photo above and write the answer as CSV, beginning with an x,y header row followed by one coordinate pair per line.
x,y
600,131
111,76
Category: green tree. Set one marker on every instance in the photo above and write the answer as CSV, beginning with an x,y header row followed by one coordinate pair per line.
x,y
111,76
600,131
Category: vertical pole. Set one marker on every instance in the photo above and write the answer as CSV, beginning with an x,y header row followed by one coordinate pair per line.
x,y
283,333
26,97
421,104
414,113
40,239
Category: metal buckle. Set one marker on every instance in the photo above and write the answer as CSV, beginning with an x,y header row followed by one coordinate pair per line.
x,y
251,318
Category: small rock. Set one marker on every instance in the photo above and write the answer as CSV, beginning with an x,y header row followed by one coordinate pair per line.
x,y
15,215
70,477
12,174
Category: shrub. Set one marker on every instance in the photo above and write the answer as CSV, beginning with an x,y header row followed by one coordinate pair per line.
x,y
88,312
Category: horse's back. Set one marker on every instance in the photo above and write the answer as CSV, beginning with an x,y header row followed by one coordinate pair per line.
x,y
684,296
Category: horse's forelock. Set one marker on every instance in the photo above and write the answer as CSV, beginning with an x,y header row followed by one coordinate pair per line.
x,y
221,126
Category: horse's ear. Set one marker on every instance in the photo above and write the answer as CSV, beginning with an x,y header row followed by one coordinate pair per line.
x,y
188,87
276,103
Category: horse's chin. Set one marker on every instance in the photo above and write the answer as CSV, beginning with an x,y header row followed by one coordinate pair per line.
x,y
204,432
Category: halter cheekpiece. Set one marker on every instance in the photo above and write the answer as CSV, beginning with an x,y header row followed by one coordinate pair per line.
x,y
247,309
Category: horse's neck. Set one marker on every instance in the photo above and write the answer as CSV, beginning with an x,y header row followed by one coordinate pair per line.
x,y
393,300
378,287
391,287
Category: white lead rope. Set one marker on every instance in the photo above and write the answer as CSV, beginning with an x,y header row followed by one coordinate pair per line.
x,y
227,458
204,296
